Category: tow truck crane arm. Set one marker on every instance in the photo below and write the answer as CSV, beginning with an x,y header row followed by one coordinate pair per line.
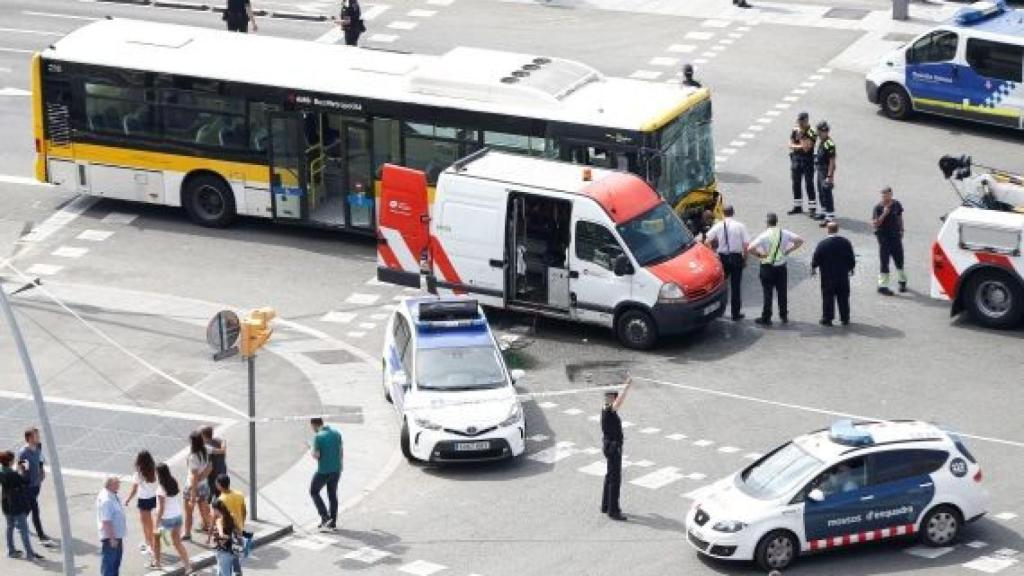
x,y
993,189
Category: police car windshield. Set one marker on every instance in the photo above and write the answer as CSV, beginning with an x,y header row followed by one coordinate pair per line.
x,y
655,235
778,473
465,368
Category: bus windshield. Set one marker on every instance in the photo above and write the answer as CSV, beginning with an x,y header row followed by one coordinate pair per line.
x,y
687,154
655,236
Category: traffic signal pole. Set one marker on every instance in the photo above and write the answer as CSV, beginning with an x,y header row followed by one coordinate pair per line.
x,y
253,491
255,332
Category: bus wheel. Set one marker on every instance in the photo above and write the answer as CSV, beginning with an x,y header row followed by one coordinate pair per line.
x,y
994,299
895,102
636,330
209,201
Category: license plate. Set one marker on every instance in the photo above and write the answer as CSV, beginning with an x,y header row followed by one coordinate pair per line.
x,y
471,446
712,308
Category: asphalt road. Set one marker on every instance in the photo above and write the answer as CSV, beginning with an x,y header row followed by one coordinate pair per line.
x,y
705,404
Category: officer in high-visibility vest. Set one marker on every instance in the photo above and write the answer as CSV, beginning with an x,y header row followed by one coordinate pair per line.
x,y
825,167
772,246
801,164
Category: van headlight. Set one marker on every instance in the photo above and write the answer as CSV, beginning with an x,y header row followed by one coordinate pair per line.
x,y
728,526
426,423
671,292
515,414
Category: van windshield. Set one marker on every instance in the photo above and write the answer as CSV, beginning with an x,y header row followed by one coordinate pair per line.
x,y
655,236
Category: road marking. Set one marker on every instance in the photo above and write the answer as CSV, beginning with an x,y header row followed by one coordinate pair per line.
x,y
591,450
58,220
752,455
728,449
645,74
70,252
355,334
94,235
824,70
738,143
783,105
976,544
816,77
663,61
119,218
375,11
718,47
572,411
44,269
735,35
547,405
699,35
421,568
1006,516
8,91
650,430
16,50
726,41
682,48
709,54
803,408
703,443
659,478
627,424
64,16
383,38
338,317
598,468
928,552
989,564
35,32
121,408
789,98
559,451
716,23
361,299
367,555
639,463
798,91
402,25
331,36
311,542
721,158
537,438
697,476
764,120
676,436
378,317
420,13
748,135
744,28
595,418
700,61
22,180
367,325
440,2
756,127
728,150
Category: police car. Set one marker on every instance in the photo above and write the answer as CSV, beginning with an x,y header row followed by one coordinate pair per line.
x,y
448,381
853,483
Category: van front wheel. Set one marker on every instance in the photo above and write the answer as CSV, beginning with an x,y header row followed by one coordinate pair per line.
x,y
895,102
637,330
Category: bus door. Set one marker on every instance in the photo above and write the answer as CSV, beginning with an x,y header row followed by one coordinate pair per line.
x,y
342,162
288,168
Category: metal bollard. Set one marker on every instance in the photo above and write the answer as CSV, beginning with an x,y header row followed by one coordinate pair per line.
x,y
900,9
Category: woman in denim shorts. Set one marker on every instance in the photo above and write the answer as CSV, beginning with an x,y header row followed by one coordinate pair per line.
x,y
144,486
168,515
197,489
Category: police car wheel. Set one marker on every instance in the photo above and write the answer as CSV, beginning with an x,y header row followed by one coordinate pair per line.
x,y
776,550
994,300
637,330
941,526
404,443
895,102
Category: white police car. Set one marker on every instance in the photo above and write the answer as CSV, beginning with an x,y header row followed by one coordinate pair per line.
x,y
849,484
448,381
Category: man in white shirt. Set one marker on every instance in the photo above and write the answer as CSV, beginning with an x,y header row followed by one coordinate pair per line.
x,y
772,246
730,239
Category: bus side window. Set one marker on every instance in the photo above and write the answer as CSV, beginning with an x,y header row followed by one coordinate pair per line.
x,y
386,144
119,110
433,148
259,125
516,143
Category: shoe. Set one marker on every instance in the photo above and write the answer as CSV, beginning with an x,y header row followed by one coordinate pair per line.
x,y
738,317
323,523
332,525
47,543
812,214
617,516
903,287
785,319
795,210
34,557
885,290
846,322
186,537
763,321
822,222
743,5
603,509
824,322
819,216
14,554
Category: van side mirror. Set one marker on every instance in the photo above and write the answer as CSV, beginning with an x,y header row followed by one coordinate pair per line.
x,y
401,379
816,495
621,266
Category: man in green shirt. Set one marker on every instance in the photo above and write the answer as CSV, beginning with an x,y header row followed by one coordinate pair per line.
x,y
328,450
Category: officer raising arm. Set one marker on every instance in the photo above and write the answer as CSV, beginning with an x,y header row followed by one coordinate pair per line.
x,y
611,429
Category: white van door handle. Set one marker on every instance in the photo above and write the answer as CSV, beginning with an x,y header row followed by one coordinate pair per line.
x,y
868,497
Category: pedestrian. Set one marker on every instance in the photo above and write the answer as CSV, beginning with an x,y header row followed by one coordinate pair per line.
x,y
328,450
611,430
197,490
14,501
801,165
825,168
834,256
773,246
168,516
234,501
732,241
112,524
688,76
217,449
32,453
238,15
351,21
144,486
887,220
226,531
741,4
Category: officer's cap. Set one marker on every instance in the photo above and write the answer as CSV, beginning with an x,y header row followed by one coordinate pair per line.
x,y
822,125
802,116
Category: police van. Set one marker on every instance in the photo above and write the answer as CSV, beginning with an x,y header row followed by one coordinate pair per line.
x,y
852,483
553,239
445,375
970,67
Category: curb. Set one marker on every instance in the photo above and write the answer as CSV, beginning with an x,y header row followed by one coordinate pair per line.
x,y
267,536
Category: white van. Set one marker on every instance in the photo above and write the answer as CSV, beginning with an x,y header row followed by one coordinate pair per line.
x,y
553,239
970,68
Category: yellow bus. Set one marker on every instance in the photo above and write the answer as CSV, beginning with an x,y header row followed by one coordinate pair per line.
x,y
226,124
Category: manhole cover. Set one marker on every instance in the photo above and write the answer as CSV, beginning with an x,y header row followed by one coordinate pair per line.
x,y
847,13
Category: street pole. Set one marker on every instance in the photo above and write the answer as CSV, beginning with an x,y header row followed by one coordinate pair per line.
x,y
251,360
67,543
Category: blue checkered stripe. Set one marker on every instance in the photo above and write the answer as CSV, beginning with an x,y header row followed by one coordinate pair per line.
x,y
1002,91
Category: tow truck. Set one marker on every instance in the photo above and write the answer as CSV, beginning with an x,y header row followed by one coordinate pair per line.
x,y
977,260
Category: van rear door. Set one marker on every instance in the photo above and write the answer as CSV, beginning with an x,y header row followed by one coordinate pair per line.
x,y
403,228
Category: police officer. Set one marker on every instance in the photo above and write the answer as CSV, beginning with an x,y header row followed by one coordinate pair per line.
x,y
801,164
688,77
887,219
611,428
772,246
825,167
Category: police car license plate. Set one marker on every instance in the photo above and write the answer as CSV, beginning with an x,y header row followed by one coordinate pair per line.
x,y
712,308
471,446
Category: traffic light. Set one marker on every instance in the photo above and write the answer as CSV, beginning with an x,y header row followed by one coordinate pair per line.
x,y
256,331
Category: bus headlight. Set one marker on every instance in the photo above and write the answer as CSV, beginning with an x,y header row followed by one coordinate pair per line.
x,y
671,292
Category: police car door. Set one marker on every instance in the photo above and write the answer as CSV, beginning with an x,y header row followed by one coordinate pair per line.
x,y
841,511
932,74
900,487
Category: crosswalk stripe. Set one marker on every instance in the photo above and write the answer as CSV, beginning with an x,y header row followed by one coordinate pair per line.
x,y
659,478
553,454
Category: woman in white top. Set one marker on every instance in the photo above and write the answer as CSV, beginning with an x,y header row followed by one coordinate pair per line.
x,y
144,486
168,515
197,489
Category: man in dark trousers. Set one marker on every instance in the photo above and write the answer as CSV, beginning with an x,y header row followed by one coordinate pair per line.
x,y
729,238
834,256
773,246
238,15
352,21
611,428
801,164
887,220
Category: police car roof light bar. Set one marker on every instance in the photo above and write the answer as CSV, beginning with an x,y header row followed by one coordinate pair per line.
x,y
846,433
979,12
446,311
